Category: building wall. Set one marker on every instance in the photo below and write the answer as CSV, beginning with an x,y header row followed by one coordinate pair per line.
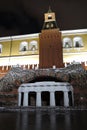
x,y
75,53
11,54
16,51
76,49
50,53
5,48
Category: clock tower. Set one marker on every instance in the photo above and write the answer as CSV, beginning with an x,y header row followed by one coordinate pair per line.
x,y
50,45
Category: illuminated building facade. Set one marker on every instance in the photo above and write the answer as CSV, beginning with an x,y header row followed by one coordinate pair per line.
x,y
24,50
49,49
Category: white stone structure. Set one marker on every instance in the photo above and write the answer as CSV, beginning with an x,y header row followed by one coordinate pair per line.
x,y
39,87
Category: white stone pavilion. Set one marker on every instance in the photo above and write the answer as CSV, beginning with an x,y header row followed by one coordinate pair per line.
x,y
45,93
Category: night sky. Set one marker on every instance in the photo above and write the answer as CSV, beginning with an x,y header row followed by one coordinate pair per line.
x,y
19,17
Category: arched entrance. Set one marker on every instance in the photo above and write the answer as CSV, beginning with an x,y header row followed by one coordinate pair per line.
x,y
45,78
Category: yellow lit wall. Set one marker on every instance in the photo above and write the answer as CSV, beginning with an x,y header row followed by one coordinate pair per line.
x,y
73,49
12,55
16,47
78,54
5,48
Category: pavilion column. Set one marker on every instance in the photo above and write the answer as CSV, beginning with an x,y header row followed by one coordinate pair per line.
x,y
52,99
72,99
38,99
66,99
25,100
19,99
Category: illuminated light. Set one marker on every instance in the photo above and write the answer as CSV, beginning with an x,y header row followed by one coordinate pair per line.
x,y
2,67
28,66
7,67
54,66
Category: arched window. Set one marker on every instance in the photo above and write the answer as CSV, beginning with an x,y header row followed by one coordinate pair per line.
x,y
33,45
77,42
0,48
24,46
67,42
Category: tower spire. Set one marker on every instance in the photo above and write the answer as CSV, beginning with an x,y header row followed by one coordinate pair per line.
x,y
49,20
49,11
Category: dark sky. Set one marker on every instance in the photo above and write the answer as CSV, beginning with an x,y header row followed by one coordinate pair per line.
x,y
26,16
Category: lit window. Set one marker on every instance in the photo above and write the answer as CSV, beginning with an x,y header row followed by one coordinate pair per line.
x,y
33,45
67,42
24,46
78,42
0,48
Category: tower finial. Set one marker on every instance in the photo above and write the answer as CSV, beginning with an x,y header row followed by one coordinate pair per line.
x,y
49,11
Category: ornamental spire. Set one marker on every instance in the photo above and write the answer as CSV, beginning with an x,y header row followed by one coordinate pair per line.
x,y
49,11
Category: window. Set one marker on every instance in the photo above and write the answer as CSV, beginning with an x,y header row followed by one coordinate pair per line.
x,y
33,45
78,42
24,46
49,16
67,42
0,48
